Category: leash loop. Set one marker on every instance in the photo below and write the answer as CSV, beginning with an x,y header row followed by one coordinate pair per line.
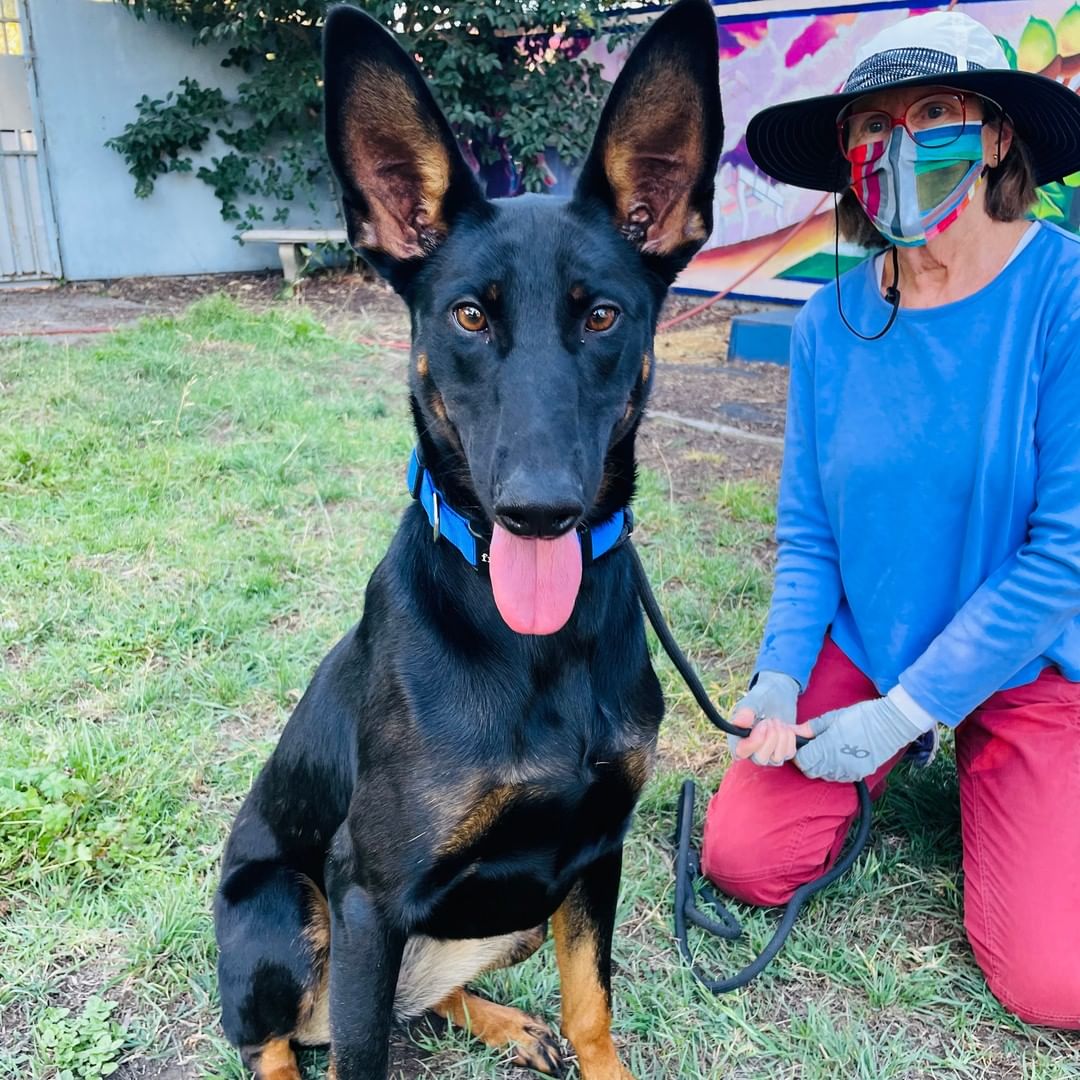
x,y
687,862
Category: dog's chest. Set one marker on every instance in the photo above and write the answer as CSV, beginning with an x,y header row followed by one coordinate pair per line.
x,y
511,845
562,801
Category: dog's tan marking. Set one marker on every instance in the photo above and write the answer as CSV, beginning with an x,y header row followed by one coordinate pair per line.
x,y
528,941
438,407
313,1012
422,365
637,765
606,479
535,1044
481,815
628,413
653,158
317,930
492,293
577,293
431,968
586,1010
274,1060
397,158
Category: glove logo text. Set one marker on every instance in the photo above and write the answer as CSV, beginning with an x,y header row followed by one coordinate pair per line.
x,y
854,751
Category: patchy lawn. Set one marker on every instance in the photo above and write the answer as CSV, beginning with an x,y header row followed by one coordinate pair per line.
x,y
189,511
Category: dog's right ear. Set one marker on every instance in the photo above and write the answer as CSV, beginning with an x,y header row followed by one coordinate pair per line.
x,y
403,179
653,162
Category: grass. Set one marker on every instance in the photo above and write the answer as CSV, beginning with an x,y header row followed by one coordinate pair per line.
x,y
189,511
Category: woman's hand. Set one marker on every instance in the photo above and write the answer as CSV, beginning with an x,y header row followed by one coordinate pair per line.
x,y
768,707
849,744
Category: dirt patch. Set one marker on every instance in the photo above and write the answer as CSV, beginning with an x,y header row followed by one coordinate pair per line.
x,y
261,720
695,382
62,311
146,1069
689,344
16,658
751,397
15,1029
694,462
79,309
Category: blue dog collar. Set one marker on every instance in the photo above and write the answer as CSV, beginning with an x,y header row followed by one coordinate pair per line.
x,y
474,543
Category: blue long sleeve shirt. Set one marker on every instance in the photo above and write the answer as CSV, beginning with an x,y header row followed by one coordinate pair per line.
x,y
929,507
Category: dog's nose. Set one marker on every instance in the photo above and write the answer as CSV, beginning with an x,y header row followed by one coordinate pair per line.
x,y
538,520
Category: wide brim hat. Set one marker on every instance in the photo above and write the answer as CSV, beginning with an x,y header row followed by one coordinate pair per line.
x,y
796,142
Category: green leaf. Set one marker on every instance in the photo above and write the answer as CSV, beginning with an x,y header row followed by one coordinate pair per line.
x,y
1010,52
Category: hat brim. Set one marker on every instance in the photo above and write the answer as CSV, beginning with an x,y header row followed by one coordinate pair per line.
x,y
796,142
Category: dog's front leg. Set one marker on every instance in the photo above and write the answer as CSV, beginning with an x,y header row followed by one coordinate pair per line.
x,y
582,927
365,959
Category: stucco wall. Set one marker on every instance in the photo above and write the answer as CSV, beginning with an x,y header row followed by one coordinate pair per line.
x,y
94,60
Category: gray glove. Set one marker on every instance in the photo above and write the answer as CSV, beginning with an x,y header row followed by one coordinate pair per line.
x,y
772,697
850,744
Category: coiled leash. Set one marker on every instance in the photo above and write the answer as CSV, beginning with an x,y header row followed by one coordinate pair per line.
x,y
687,861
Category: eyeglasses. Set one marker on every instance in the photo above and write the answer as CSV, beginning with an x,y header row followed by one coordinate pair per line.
x,y
935,120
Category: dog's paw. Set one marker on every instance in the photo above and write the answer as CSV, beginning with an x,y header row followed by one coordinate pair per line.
x,y
530,1042
537,1047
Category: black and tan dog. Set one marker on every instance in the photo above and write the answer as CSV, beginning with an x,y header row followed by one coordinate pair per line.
x,y
464,766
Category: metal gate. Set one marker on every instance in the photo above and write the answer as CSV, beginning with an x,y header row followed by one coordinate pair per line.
x,y
28,248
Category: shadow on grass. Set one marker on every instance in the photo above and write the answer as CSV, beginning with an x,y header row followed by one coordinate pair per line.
x,y
921,808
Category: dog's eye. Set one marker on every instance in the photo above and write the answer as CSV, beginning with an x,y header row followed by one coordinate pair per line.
x,y
470,317
601,318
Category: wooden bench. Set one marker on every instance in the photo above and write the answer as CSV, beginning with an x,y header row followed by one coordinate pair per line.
x,y
290,241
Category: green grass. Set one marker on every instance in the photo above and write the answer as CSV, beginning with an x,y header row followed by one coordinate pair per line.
x,y
189,511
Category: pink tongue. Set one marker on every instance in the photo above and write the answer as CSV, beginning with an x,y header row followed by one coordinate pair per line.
x,y
535,582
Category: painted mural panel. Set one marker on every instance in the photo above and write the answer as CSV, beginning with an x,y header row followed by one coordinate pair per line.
x,y
768,56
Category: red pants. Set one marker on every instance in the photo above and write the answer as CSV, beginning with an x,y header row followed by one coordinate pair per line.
x,y
769,830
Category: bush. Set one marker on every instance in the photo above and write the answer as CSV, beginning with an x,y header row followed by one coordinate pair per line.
x,y
509,95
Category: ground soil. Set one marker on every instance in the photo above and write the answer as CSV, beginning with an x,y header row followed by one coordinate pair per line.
x,y
740,405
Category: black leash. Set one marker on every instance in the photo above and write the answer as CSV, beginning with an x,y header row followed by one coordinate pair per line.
x,y
687,861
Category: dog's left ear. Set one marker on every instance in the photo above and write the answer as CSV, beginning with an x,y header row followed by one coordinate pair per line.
x,y
653,161
403,179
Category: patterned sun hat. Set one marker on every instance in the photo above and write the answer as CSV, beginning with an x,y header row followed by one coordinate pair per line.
x,y
796,142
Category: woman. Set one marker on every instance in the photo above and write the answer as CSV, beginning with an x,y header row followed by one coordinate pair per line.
x,y
929,514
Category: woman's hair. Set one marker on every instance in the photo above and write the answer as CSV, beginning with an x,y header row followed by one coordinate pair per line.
x,y
1010,191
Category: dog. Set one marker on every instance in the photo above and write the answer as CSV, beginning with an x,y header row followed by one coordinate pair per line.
x,y
463,768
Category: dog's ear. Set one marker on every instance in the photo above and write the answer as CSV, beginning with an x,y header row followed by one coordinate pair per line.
x,y
653,161
403,179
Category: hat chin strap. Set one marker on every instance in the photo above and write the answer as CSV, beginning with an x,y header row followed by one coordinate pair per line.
x,y
892,293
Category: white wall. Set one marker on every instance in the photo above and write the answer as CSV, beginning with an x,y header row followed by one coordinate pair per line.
x,y
93,61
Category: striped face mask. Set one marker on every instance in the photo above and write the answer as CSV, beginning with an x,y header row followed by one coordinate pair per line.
x,y
913,193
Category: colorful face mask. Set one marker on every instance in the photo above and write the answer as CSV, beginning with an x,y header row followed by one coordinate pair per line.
x,y
912,192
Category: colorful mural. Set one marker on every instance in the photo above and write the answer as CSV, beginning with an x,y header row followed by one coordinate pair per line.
x,y
769,56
